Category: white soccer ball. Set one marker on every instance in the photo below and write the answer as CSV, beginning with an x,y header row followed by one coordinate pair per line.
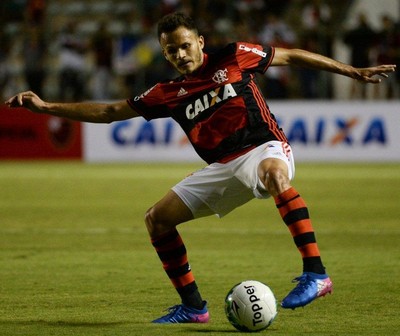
x,y
250,306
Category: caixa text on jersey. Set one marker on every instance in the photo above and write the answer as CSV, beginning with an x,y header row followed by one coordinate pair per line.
x,y
210,99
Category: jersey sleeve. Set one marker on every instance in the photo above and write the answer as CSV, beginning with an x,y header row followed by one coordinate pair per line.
x,y
150,104
254,57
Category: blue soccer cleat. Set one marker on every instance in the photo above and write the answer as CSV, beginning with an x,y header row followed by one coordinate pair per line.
x,y
310,287
184,314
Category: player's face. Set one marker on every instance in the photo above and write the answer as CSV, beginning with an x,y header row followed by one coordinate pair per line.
x,y
183,48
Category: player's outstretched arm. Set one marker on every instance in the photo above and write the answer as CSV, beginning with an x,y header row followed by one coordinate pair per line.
x,y
308,59
86,111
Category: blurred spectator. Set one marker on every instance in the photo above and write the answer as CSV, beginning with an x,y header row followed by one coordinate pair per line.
x,y
360,41
4,53
245,11
317,36
134,58
72,62
241,31
249,6
137,61
34,53
154,9
145,53
36,11
102,47
277,33
278,7
397,57
315,14
277,78
316,22
309,78
275,26
388,52
13,10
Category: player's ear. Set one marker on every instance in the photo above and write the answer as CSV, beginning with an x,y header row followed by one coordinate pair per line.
x,y
164,53
201,41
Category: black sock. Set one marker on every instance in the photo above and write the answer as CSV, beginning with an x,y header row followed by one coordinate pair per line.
x,y
313,264
190,296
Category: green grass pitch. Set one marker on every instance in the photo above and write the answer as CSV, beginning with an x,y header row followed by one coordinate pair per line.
x,y
75,258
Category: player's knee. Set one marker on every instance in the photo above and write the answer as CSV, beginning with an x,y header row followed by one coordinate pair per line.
x,y
150,220
155,225
276,181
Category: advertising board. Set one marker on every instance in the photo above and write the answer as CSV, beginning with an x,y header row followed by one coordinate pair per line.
x,y
25,135
318,131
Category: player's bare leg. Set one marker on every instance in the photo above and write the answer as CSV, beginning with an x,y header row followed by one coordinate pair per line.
x,y
314,282
161,221
166,214
274,174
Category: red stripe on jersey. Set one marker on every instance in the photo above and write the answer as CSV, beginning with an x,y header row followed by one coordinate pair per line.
x,y
266,113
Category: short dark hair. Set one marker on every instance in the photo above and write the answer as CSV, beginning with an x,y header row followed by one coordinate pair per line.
x,y
173,21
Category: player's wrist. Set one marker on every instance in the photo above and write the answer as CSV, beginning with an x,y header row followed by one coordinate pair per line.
x,y
49,108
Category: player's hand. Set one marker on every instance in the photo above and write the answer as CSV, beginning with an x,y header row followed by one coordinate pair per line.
x,y
371,74
27,99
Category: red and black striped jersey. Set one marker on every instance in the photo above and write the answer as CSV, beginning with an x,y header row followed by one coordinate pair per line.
x,y
220,107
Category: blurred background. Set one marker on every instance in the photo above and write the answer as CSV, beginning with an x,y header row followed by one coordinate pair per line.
x,y
69,50
102,50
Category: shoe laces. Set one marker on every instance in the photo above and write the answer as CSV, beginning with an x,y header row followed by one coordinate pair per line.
x,y
302,285
176,313
173,309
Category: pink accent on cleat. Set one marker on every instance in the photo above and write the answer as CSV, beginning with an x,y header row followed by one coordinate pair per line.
x,y
310,286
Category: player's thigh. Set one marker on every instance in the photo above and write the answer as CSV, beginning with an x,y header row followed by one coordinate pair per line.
x,y
276,167
272,165
276,156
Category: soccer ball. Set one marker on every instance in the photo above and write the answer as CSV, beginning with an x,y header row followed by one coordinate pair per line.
x,y
250,306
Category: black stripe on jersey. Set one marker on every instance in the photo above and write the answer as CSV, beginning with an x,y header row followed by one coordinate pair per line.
x,y
266,114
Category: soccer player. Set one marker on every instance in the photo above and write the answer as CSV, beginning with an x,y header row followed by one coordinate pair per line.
x,y
218,104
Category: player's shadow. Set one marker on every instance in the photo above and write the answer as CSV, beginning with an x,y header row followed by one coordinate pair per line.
x,y
85,324
69,323
225,331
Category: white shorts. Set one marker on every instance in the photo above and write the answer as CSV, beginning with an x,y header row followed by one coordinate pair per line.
x,y
221,187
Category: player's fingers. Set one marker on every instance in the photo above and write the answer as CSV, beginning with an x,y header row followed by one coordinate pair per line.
x,y
14,101
370,79
9,101
388,68
24,95
20,99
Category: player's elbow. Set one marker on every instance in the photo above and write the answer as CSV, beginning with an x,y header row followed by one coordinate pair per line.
x,y
107,115
117,111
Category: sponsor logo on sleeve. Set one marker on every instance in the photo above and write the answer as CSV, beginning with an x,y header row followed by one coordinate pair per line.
x,y
253,50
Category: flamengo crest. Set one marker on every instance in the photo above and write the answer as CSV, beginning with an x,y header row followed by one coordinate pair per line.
x,y
220,76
